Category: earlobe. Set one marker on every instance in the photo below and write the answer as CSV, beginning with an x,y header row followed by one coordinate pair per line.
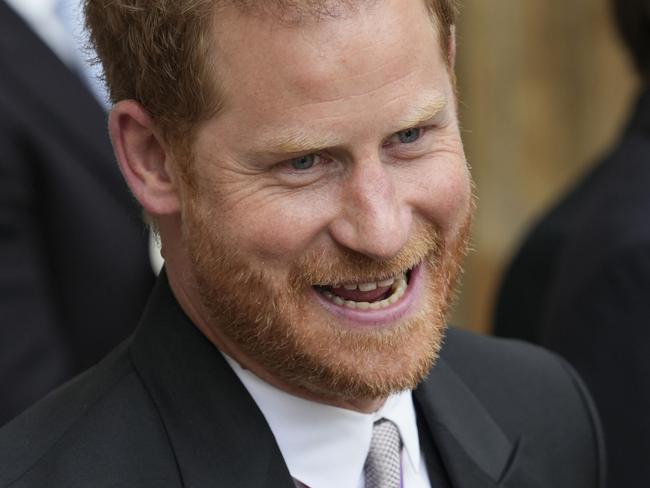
x,y
143,159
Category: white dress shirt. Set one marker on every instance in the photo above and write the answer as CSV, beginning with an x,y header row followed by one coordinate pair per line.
x,y
325,446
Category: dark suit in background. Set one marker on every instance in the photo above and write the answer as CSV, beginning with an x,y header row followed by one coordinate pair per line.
x,y
165,410
74,268
580,285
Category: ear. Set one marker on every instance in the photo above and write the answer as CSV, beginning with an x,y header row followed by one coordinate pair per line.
x,y
143,159
451,61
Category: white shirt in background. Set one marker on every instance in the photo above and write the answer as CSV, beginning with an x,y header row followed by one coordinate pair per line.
x,y
59,24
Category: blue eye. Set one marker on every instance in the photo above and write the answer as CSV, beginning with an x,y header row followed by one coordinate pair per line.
x,y
409,135
304,162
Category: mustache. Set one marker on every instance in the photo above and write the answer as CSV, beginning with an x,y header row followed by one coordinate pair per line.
x,y
343,265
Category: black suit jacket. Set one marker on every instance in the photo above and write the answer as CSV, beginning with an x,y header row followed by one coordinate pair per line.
x,y
166,410
580,285
71,239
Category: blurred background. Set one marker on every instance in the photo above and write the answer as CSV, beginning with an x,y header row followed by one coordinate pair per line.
x,y
545,86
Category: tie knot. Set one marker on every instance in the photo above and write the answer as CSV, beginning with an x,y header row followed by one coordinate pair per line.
x,y
383,464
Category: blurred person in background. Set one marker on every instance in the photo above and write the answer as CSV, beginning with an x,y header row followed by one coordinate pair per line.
x,y
74,266
580,283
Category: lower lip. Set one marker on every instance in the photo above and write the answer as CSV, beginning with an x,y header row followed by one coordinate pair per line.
x,y
383,317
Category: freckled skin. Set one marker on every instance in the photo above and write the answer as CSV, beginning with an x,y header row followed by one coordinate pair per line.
x,y
352,80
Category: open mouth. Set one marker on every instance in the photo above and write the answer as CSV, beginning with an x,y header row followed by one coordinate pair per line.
x,y
373,295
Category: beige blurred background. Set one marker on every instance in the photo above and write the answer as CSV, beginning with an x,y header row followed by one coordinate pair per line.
x,y
545,86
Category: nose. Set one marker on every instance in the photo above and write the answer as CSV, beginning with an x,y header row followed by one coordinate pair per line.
x,y
374,219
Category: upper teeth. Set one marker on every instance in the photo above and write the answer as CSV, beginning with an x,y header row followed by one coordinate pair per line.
x,y
398,288
370,286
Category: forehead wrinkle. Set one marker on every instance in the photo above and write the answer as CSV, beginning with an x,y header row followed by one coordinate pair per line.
x,y
301,140
320,91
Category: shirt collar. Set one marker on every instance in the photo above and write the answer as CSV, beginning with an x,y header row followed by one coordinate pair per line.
x,y
323,445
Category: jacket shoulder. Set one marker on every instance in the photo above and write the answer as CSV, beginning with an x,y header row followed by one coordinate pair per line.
x,y
534,396
514,376
100,429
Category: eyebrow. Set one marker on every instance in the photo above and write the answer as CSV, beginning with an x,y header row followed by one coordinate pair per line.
x,y
298,141
294,141
424,113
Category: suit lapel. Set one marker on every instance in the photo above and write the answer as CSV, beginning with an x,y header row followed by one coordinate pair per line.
x,y
218,434
474,450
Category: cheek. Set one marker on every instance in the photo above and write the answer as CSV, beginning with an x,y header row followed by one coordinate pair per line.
x,y
443,193
279,228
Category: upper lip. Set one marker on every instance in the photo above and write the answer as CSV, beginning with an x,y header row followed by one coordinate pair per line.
x,y
358,281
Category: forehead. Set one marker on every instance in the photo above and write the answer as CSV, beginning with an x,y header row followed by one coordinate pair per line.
x,y
368,58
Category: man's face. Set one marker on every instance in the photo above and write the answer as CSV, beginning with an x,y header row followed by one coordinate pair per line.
x,y
331,199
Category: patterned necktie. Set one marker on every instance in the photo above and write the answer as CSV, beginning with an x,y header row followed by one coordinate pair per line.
x,y
383,468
